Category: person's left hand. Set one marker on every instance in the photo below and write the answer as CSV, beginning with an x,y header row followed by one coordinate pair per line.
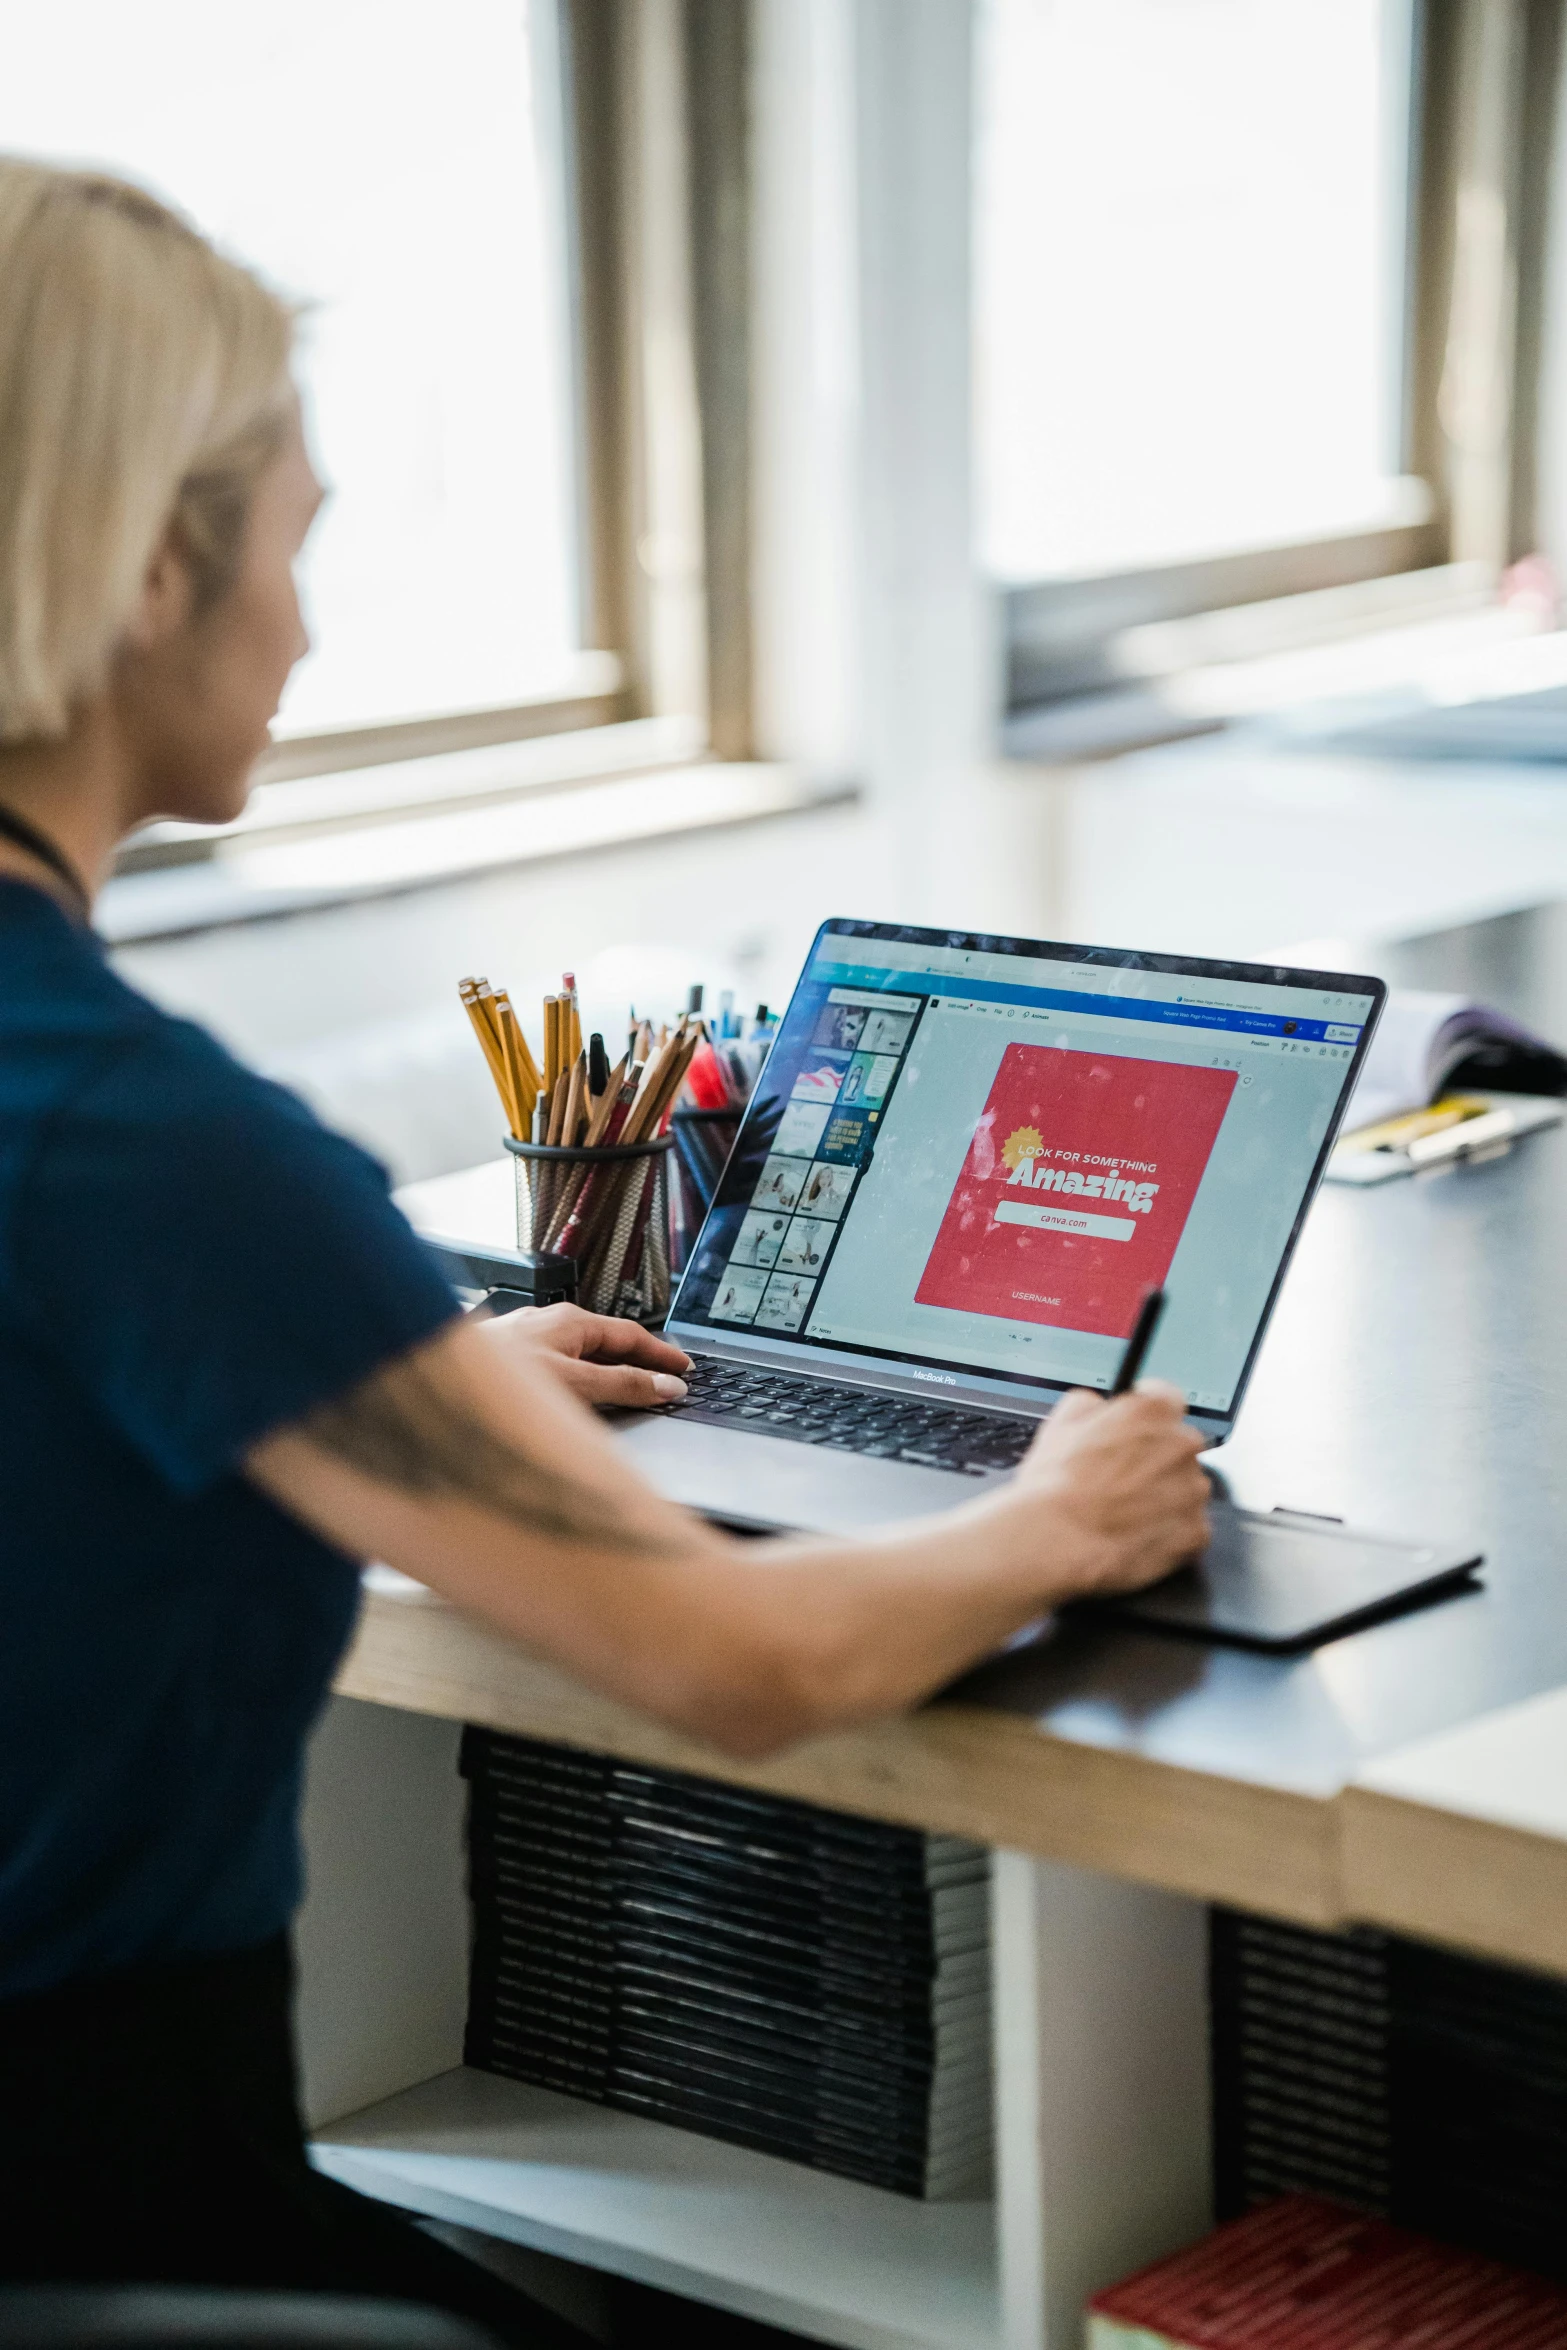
x,y
600,1357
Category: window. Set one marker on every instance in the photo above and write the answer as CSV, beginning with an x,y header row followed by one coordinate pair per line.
x,y
1190,270
397,169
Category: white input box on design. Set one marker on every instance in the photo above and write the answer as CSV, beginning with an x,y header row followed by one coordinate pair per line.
x,y
1053,1219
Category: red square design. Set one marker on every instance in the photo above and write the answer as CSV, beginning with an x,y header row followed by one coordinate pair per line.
x,y
1076,1187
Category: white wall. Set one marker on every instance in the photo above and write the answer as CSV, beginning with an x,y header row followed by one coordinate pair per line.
x,y
805,372
357,1005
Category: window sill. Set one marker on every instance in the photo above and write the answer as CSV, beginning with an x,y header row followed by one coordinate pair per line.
x,y
253,875
433,784
590,691
1068,636
1309,665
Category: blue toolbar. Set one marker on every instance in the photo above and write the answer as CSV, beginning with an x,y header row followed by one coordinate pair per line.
x,y
1106,1007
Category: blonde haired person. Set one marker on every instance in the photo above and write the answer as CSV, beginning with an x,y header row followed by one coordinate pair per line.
x,y
228,1372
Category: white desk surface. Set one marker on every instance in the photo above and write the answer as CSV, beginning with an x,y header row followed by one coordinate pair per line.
x,y
476,1204
1509,1768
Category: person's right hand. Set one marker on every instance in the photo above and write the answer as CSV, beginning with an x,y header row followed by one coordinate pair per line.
x,y
1124,1474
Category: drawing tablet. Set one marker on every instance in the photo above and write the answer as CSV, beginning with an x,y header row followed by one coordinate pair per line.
x,y
1283,1582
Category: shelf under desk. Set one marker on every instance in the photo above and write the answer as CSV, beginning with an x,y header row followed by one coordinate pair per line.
x,y
768,2239
1099,2018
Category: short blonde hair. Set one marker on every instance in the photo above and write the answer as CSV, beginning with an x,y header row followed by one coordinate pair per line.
x,y
144,384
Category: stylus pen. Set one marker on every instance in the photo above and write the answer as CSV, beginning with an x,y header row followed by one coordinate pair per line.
x,y
1140,1341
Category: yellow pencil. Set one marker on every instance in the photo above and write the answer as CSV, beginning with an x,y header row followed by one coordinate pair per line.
x,y
557,1108
478,1010
488,1005
518,1061
576,1092
552,1051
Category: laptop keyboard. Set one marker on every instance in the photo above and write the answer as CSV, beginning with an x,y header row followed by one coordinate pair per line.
x,y
854,1419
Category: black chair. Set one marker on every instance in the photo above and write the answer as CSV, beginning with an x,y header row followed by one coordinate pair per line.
x,y
200,2317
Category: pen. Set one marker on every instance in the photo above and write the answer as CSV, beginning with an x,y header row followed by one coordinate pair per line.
x,y
1141,1340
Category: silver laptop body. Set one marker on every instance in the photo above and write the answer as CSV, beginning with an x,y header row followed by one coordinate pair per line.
x,y
965,1164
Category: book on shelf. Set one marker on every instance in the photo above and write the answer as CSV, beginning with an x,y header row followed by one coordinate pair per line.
x,y
1305,2274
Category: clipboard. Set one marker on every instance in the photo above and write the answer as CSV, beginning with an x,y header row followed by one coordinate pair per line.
x,y
1282,1582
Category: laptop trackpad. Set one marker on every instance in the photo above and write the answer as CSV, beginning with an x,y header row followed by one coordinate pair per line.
x,y
765,1481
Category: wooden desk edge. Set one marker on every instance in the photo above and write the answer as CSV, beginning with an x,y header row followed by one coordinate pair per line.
x,y
954,1769
1494,1890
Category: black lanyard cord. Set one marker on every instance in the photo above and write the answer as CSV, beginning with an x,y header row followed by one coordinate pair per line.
x,y
38,844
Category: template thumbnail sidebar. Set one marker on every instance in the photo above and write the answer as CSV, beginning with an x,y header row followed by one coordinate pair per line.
x,y
825,1134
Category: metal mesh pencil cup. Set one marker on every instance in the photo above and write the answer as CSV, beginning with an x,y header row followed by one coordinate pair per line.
x,y
609,1209
703,1140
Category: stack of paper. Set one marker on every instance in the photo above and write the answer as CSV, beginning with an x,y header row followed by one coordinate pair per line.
x,y
1307,2275
1301,2055
787,1978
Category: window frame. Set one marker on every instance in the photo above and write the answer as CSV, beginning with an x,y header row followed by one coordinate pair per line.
x,y
1477,114
654,228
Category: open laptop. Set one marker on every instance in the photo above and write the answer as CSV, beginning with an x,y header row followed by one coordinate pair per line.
x,y
967,1162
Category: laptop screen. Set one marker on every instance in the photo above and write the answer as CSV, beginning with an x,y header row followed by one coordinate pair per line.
x,y
980,1154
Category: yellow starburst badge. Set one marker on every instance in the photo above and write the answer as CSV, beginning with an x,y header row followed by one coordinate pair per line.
x,y
1025,1142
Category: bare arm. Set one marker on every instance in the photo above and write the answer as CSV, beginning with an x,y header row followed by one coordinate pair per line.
x,y
468,1465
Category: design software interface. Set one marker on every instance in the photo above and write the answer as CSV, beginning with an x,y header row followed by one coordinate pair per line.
x,y
967,1158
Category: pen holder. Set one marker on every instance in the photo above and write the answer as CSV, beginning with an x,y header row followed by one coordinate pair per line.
x,y
703,1140
608,1210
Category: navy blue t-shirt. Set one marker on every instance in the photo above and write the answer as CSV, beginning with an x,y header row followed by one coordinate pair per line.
x,y
188,1259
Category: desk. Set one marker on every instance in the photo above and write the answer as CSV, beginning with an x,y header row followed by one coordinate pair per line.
x,y
1411,1380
